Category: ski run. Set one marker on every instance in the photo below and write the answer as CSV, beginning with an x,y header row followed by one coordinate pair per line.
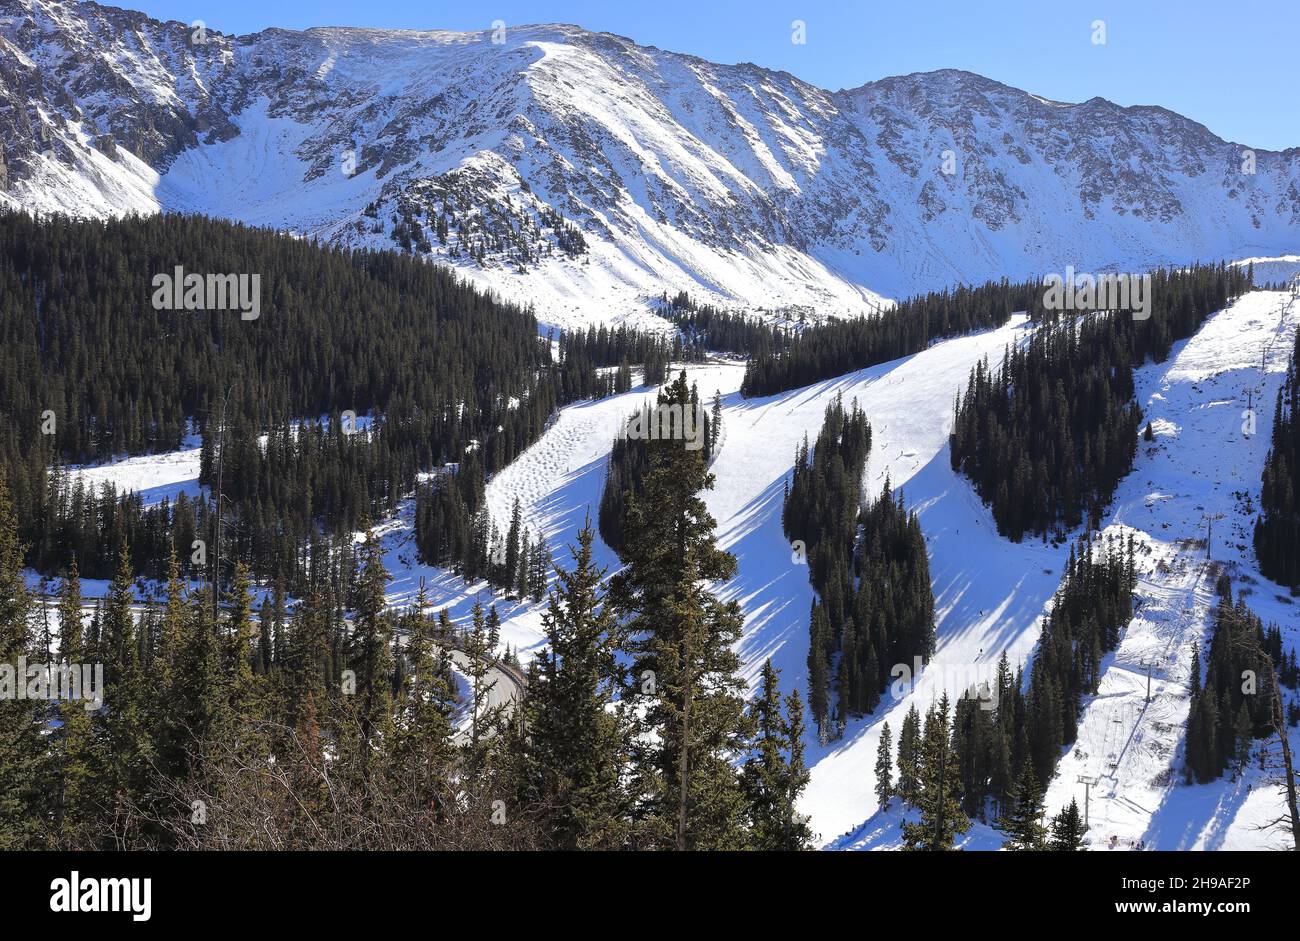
x,y
990,594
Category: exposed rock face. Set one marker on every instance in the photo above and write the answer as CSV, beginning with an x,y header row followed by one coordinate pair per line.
x,y
581,169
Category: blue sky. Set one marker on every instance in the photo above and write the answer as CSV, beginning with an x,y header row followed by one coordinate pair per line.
x,y
1235,67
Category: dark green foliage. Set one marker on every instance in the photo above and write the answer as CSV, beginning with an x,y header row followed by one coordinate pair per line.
x,y
1091,608
774,775
582,354
1050,435
938,792
706,328
629,461
577,738
874,606
1023,823
684,667
1002,732
1047,438
841,346
436,366
884,769
1277,530
1234,704
628,464
1067,830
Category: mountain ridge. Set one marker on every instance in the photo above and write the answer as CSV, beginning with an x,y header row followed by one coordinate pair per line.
x,y
588,174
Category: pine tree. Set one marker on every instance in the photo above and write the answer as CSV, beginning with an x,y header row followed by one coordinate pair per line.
x,y
369,646
77,793
715,425
770,780
477,664
1067,830
909,757
884,769
798,833
577,735
938,798
1024,825
493,630
680,638
126,735
70,620
21,774
541,569
240,633
511,574
423,752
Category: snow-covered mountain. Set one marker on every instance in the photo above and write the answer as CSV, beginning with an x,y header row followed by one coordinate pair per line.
x,y
588,174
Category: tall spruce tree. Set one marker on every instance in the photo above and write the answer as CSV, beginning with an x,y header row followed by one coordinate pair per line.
x,y
773,775
369,646
21,722
1024,824
938,797
1067,830
884,769
575,745
909,756
680,638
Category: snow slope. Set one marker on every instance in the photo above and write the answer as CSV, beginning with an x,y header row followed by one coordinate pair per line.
x,y
990,594
1201,464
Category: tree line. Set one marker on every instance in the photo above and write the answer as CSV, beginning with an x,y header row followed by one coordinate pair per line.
x,y
837,347
406,366
629,456
1277,529
1047,437
705,328
1240,698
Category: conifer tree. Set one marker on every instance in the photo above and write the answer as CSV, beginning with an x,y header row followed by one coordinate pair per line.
x,y
1067,830
1024,825
369,646
773,775
70,620
423,750
21,746
478,668
124,721
680,638
511,574
77,794
938,798
909,756
884,768
577,734
240,633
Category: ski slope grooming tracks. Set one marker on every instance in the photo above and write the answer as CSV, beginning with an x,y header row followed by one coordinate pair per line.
x,y
1202,465
558,481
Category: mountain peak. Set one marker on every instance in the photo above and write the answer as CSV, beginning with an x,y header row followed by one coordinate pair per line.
x,y
589,174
